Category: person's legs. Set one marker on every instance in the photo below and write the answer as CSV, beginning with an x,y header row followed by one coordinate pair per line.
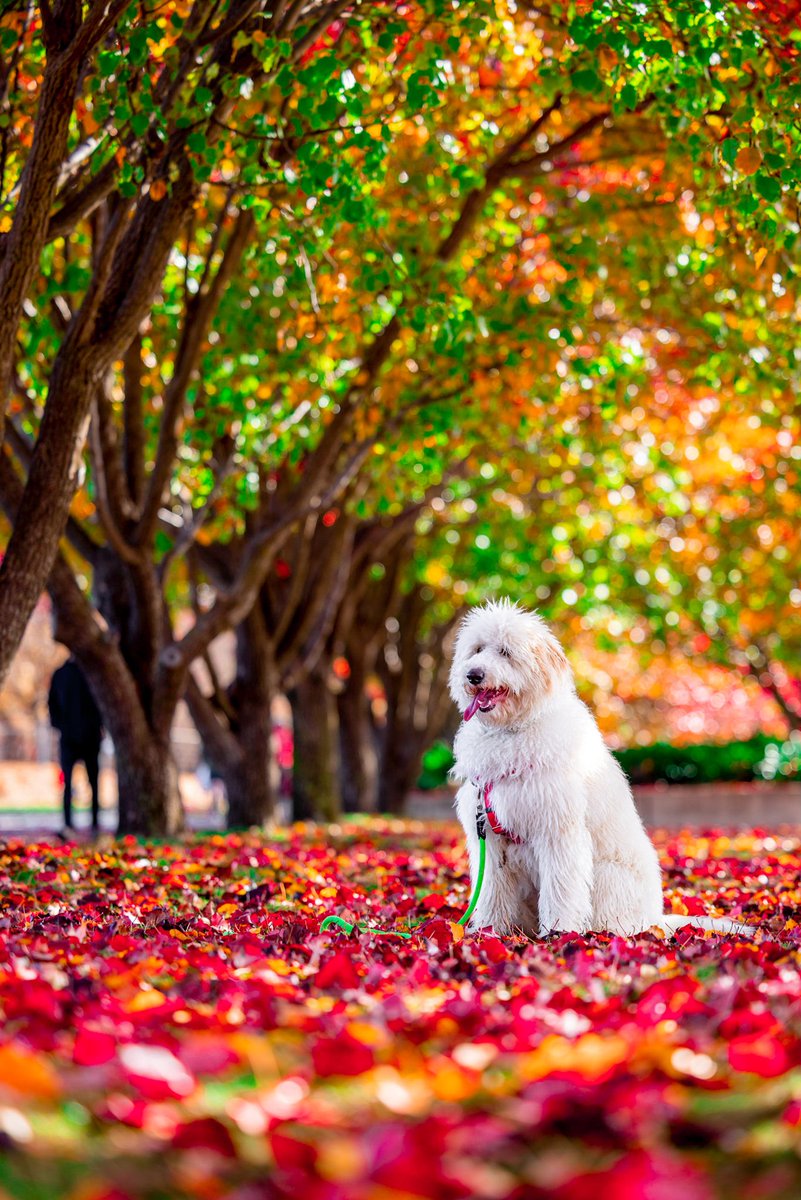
x,y
69,757
91,759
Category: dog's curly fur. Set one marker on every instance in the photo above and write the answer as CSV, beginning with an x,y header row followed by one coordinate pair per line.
x,y
583,861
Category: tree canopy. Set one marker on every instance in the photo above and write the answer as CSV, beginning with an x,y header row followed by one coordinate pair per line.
x,y
518,281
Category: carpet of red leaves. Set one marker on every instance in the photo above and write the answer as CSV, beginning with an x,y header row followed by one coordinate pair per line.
x,y
175,1026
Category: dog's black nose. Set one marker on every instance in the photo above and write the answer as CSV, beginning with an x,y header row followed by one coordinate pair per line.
x,y
475,676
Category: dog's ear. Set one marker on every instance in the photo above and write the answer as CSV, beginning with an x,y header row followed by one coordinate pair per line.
x,y
550,659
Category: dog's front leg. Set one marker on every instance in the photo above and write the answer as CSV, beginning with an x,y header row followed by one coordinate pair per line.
x,y
565,869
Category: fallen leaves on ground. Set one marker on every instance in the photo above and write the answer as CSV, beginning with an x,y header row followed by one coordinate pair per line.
x,y
174,1025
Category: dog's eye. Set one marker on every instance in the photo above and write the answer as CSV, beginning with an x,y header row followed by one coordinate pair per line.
x,y
478,649
504,652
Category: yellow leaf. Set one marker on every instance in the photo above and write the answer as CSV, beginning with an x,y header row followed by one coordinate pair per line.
x,y
367,1034
590,1056
341,1159
143,1001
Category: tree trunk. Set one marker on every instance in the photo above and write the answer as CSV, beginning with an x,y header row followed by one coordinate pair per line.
x,y
252,794
399,741
41,515
400,763
404,744
245,767
315,782
415,683
249,789
235,726
250,784
791,716
147,781
358,754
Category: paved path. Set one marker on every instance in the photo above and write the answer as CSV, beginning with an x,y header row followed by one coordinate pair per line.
x,y
743,805
30,803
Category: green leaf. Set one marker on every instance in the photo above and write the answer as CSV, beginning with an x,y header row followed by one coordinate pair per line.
x,y
660,48
768,188
138,47
629,96
204,96
107,63
587,81
728,150
582,29
418,89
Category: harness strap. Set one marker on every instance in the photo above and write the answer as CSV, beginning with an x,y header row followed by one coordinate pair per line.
x,y
486,815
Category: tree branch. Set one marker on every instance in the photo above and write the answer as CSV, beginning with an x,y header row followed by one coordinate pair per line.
x,y
530,165
81,203
289,603
219,743
99,21
198,517
133,443
21,248
234,21
476,199
103,450
197,320
330,13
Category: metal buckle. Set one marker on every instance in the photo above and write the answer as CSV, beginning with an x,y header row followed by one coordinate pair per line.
x,y
481,818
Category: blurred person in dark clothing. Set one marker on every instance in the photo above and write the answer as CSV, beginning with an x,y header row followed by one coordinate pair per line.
x,y
74,713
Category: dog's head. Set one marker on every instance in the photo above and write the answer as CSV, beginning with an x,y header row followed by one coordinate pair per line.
x,y
506,663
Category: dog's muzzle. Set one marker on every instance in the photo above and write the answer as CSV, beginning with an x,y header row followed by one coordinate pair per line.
x,y
485,699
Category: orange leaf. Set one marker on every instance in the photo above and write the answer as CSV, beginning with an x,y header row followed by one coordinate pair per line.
x,y
488,76
28,1074
748,160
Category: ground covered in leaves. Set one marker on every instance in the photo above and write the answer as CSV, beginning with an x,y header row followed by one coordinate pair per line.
x,y
174,1025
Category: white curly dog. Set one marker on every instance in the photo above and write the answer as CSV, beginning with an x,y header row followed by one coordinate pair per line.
x,y
565,846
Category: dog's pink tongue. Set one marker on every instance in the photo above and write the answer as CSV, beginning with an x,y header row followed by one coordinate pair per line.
x,y
474,705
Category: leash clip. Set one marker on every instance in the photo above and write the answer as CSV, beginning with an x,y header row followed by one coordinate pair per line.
x,y
481,824
481,812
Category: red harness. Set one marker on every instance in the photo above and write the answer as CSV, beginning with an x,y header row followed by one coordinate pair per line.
x,y
488,812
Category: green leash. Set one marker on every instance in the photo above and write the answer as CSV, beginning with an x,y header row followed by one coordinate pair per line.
x,y
341,923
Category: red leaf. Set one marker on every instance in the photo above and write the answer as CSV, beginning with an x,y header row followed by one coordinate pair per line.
x,y
292,1154
338,972
342,1055
759,1054
206,1133
93,1048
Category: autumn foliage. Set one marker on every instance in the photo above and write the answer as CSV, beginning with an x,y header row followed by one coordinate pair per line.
x,y
408,302
175,1025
